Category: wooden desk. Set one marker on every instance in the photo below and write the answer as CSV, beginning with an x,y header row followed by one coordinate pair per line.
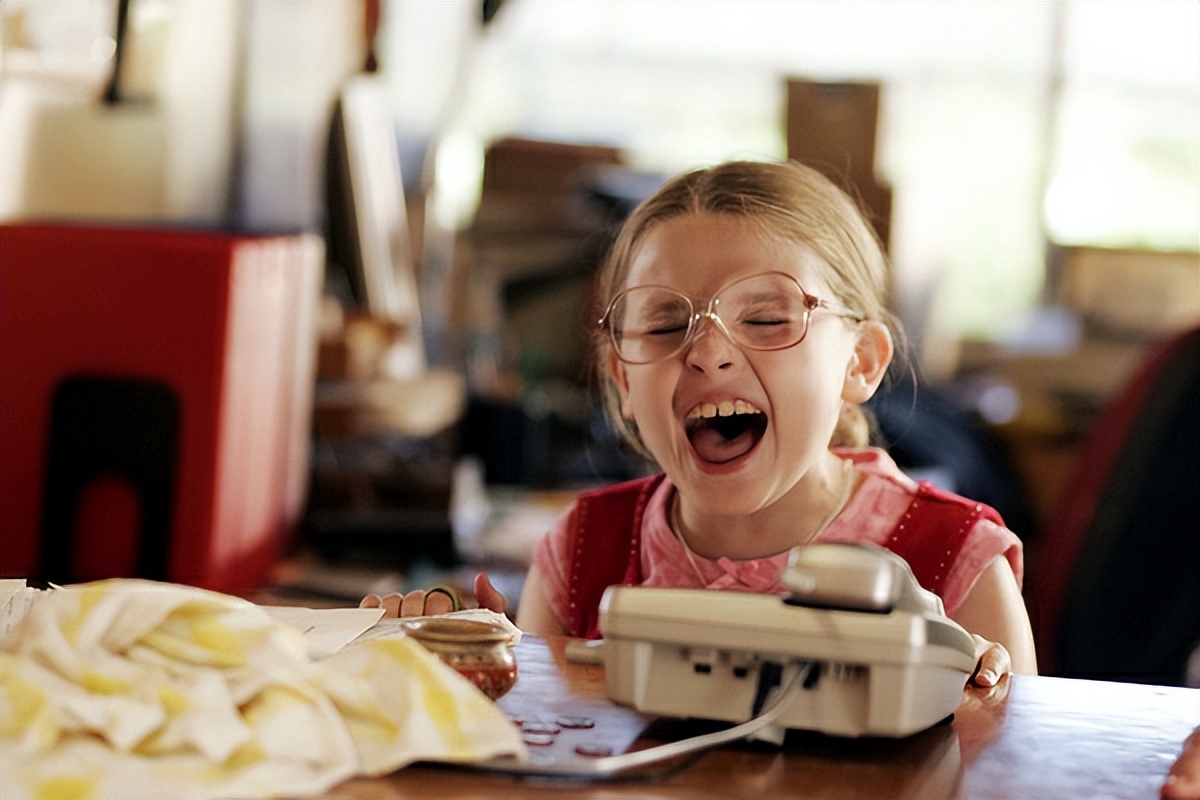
x,y
1048,738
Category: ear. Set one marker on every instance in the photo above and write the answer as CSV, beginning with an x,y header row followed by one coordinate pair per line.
x,y
872,354
616,373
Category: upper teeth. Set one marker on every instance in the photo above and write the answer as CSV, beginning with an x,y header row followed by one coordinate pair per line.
x,y
726,408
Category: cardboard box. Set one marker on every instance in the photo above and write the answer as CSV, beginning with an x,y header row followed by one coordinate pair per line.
x,y
1141,294
833,127
532,167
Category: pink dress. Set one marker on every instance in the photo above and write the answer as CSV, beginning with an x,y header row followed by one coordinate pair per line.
x,y
884,496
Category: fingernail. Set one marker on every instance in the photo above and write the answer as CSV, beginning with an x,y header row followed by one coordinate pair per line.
x,y
987,677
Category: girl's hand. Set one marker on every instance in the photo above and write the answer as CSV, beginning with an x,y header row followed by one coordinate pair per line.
x,y
439,600
488,596
992,665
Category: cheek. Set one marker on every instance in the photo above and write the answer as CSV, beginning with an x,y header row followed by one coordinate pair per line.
x,y
646,398
811,388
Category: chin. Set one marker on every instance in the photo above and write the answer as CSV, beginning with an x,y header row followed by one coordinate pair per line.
x,y
724,485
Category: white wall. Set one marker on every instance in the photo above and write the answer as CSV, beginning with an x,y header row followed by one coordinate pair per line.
x,y
298,54
164,153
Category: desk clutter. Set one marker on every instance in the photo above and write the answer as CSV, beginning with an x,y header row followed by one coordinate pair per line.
x,y
1046,737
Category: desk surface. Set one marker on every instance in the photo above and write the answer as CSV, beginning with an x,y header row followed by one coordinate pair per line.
x,y
1048,738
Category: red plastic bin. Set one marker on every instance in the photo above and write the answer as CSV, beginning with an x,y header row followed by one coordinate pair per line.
x,y
155,401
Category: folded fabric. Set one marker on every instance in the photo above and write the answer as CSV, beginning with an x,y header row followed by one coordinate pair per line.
x,y
135,689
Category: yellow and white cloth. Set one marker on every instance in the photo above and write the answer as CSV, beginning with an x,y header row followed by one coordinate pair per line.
x,y
135,689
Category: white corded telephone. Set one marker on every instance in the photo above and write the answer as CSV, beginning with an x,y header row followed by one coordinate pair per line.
x,y
859,648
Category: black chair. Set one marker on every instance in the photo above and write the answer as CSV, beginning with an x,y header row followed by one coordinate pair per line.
x,y
1118,577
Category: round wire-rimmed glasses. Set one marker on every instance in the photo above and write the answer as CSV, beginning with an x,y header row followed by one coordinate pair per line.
x,y
767,311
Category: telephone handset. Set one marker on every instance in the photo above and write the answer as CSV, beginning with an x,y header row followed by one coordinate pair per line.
x,y
879,656
855,578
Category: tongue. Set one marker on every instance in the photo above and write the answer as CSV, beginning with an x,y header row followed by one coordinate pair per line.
x,y
710,445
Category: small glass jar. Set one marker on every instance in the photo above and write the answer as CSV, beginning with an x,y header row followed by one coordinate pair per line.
x,y
482,652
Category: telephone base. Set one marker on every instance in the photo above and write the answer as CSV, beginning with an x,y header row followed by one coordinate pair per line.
x,y
715,655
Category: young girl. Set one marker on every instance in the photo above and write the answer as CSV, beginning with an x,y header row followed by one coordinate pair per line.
x,y
743,326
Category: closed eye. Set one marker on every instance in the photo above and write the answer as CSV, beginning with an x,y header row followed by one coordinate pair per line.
x,y
668,330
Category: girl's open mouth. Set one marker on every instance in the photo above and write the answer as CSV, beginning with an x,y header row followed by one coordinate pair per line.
x,y
721,433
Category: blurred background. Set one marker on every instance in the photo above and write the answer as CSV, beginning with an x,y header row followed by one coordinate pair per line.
x,y
1033,169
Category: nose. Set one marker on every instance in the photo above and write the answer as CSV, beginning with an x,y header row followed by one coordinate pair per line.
x,y
709,347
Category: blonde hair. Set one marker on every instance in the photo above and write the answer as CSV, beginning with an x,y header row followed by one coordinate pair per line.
x,y
788,202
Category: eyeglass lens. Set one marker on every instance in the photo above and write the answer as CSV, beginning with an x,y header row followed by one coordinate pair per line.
x,y
762,312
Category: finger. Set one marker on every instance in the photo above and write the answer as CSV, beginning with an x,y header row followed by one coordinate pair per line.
x,y
489,596
370,601
986,675
992,662
988,695
438,601
998,661
413,604
391,605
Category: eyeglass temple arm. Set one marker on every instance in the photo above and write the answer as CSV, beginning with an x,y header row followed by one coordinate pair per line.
x,y
840,310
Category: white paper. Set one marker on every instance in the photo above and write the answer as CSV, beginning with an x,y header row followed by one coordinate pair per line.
x,y
15,599
326,630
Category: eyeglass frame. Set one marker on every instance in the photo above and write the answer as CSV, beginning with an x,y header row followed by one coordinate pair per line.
x,y
811,303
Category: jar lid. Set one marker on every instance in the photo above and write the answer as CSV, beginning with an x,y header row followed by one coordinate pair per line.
x,y
458,631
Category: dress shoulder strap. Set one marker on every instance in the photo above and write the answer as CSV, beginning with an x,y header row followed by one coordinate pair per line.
x,y
932,531
605,547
